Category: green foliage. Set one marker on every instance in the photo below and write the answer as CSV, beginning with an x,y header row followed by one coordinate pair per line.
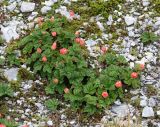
x,y
24,74
76,81
8,123
156,5
2,61
52,104
5,90
1,40
149,37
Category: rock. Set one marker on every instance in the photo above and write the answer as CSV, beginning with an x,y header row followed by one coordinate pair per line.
x,y
12,6
90,43
49,123
147,112
110,20
50,2
9,32
11,74
121,110
45,9
129,20
151,102
27,6
145,3
100,25
158,113
143,103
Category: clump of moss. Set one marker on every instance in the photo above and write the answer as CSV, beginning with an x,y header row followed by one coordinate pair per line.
x,y
151,90
24,74
1,40
156,5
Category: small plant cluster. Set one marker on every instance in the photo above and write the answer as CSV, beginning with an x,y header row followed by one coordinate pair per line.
x,y
149,37
7,123
61,58
5,90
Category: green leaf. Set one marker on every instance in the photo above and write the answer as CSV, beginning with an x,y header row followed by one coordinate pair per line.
x,y
91,99
5,90
52,104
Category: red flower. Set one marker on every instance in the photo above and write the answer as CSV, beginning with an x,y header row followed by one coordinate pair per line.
x,y
142,66
104,94
63,51
54,46
55,80
104,49
2,125
118,84
39,50
82,42
77,33
25,126
44,59
66,90
77,40
40,19
52,19
54,34
71,13
134,75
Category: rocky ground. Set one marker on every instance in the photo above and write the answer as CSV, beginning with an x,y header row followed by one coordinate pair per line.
x,y
121,31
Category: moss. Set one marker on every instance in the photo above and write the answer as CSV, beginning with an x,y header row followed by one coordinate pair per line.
x,y
156,6
15,85
24,74
3,108
136,102
151,90
1,40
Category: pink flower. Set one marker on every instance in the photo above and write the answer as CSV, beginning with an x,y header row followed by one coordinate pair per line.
x,y
77,40
104,94
2,125
54,34
142,66
118,84
66,90
63,51
134,75
44,59
52,19
40,19
39,50
71,13
82,42
54,46
104,49
77,33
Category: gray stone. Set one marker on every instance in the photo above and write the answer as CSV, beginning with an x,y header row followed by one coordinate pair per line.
x,y
121,110
12,6
45,9
147,112
143,103
151,102
145,3
27,6
49,123
11,74
129,20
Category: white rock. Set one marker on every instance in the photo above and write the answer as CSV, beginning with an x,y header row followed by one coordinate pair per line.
x,y
100,25
12,6
45,9
151,102
90,42
50,2
158,113
129,20
110,20
143,103
131,33
9,32
145,3
11,74
27,6
147,112
131,64
50,123
149,55
121,110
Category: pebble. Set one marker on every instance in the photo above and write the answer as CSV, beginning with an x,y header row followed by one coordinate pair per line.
x,y
45,9
11,74
129,20
143,103
147,112
27,6
121,110
151,102
49,123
